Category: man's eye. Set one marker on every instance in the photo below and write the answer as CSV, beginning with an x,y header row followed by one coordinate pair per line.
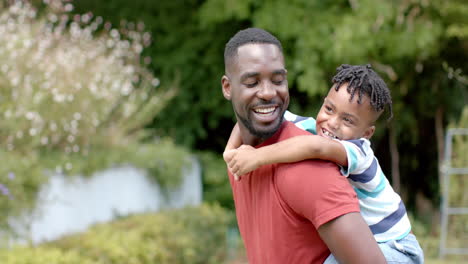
x,y
250,85
329,109
278,80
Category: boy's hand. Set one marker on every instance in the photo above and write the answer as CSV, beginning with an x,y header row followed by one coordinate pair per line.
x,y
242,160
228,155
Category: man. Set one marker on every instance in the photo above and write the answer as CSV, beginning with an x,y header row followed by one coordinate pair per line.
x,y
295,212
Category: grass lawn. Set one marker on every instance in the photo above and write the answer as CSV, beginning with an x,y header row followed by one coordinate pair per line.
x,y
446,261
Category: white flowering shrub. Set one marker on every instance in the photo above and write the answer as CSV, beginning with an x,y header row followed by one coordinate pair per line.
x,y
74,98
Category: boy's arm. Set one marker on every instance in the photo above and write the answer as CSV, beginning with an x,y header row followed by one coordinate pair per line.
x,y
303,147
361,159
246,159
233,143
235,139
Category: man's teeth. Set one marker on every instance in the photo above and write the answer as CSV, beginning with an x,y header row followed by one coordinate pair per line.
x,y
264,110
328,134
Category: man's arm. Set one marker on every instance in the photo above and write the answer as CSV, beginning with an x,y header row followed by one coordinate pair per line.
x,y
350,240
316,190
246,159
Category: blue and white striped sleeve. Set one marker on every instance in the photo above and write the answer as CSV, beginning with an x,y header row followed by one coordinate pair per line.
x,y
305,123
363,169
360,159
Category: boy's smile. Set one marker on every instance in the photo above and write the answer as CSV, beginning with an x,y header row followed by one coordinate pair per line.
x,y
340,118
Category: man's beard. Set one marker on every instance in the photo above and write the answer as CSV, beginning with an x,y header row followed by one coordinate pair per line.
x,y
260,134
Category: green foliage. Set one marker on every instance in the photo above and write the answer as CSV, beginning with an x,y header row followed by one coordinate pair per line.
x,y
407,42
190,235
184,50
216,187
74,101
41,256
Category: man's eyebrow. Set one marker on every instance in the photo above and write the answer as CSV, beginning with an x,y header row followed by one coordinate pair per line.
x,y
255,74
282,71
248,75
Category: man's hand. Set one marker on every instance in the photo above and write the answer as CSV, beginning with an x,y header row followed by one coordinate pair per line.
x,y
241,160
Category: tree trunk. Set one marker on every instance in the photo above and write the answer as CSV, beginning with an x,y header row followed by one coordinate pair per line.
x,y
439,129
395,158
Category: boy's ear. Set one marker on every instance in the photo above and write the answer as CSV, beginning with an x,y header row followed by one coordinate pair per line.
x,y
226,86
369,132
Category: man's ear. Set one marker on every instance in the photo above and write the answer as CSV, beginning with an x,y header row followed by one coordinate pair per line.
x,y
226,86
369,132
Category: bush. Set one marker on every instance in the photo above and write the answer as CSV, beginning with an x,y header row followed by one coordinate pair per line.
x,y
189,235
74,101
41,256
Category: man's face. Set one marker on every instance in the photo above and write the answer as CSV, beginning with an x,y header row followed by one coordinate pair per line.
x,y
257,85
342,119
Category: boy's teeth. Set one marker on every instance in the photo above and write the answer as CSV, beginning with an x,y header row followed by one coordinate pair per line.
x,y
329,134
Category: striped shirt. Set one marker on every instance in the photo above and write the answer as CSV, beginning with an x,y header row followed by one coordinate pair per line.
x,y
381,207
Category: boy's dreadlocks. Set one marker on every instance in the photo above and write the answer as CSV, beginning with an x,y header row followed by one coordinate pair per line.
x,y
366,81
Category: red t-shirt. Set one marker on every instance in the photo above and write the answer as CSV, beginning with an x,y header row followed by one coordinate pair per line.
x,y
279,207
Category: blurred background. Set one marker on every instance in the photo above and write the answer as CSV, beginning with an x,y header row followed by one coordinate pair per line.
x,y
113,121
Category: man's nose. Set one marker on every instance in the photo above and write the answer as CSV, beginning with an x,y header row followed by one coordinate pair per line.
x,y
267,91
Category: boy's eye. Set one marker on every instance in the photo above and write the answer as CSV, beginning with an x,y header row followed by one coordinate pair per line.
x,y
348,120
328,108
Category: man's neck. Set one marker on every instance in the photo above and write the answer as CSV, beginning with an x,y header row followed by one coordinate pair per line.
x,y
252,140
249,139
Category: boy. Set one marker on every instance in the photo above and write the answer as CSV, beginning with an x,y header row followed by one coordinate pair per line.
x,y
345,123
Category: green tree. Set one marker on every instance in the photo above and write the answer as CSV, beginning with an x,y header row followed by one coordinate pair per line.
x,y
185,50
408,43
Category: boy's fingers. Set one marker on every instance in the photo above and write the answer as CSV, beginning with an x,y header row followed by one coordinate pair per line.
x,y
227,155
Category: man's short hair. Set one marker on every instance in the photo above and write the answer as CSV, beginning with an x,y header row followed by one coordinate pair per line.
x,y
248,36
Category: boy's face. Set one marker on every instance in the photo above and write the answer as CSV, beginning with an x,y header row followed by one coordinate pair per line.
x,y
342,119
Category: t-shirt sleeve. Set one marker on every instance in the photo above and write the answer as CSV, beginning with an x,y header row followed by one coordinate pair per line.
x,y
315,190
305,123
363,168
360,159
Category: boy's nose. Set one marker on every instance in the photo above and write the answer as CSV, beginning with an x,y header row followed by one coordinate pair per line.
x,y
333,123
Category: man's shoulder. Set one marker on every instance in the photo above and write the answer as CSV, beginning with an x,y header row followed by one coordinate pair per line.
x,y
315,189
291,130
306,167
